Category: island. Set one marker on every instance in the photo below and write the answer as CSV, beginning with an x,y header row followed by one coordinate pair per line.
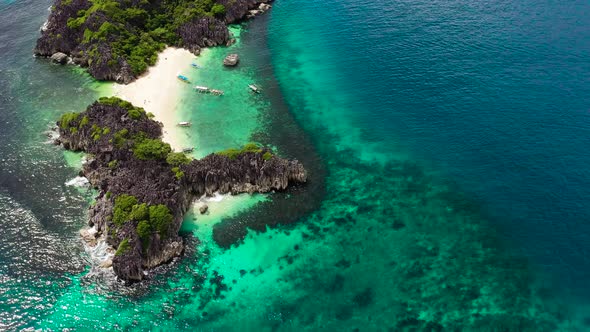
x,y
118,40
145,188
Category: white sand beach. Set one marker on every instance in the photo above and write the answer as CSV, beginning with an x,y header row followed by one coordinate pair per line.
x,y
158,92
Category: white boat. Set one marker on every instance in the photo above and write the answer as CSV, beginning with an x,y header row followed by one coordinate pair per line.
x,y
216,92
184,124
254,88
203,89
187,150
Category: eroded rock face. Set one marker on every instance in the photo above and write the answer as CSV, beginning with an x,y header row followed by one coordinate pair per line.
x,y
110,133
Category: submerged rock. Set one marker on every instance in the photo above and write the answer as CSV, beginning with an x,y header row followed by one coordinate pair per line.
x,y
231,60
203,209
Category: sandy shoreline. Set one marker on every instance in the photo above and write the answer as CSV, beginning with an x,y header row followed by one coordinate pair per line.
x,y
158,91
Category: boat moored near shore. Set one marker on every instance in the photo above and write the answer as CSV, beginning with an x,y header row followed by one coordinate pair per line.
x,y
185,124
183,78
204,89
201,89
254,88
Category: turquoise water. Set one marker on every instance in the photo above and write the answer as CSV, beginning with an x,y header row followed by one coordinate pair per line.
x,y
446,144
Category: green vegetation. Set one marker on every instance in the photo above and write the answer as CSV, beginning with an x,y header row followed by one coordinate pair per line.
x,y
160,218
122,209
123,247
98,132
133,111
115,101
177,172
144,230
137,31
112,164
139,212
150,149
85,120
218,9
248,148
150,218
177,158
120,138
66,119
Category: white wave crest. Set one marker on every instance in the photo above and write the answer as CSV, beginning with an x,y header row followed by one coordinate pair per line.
x,y
78,181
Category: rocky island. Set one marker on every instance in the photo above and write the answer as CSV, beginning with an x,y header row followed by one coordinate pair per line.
x,y
118,40
145,188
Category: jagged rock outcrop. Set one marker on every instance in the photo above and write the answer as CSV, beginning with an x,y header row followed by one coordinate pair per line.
x,y
131,163
117,40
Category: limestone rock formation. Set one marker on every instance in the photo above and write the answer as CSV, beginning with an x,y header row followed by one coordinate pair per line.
x,y
145,189
105,40
231,60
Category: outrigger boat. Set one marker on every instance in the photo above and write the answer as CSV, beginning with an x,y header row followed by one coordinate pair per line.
x,y
195,65
187,150
216,92
254,88
184,124
183,78
202,89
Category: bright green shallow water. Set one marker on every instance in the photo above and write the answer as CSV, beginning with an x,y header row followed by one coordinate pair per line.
x,y
391,246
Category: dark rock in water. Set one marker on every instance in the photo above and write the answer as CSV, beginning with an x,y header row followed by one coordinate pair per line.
x,y
364,298
144,193
231,60
203,209
59,58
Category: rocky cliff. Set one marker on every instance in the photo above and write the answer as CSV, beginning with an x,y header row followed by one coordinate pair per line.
x,y
118,40
145,188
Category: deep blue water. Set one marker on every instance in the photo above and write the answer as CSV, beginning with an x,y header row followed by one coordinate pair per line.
x,y
492,95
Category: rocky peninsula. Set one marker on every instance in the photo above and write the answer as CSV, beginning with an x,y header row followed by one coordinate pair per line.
x,y
145,188
118,40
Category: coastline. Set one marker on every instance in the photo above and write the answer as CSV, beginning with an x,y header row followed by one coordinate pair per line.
x,y
158,91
